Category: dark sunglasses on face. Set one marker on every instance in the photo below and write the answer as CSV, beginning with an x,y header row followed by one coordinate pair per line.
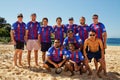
x,y
94,18
57,42
92,34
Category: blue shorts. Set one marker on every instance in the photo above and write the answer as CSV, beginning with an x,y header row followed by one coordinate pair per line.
x,y
96,55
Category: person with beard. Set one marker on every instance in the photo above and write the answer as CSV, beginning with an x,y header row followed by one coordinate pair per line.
x,y
83,29
55,57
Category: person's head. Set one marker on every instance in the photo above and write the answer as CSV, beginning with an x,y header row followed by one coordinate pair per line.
x,y
92,34
33,16
70,33
20,17
56,43
45,21
71,46
71,20
82,20
59,20
95,18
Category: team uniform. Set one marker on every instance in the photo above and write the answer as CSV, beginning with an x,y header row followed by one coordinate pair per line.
x,y
19,33
76,56
59,32
32,42
72,27
45,36
83,32
56,55
99,28
76,40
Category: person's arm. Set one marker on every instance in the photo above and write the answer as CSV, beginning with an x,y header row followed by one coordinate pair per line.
x,y
105,40
84,50
51,62
12,37
102,49
63,61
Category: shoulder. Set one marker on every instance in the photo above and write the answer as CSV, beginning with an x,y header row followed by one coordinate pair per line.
x,y
51,49
101,24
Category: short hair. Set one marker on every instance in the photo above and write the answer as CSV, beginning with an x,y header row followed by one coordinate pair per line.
x,y
58,18
33,14
71,19
95,15
70,31
71,44
93,31
83,17
45,19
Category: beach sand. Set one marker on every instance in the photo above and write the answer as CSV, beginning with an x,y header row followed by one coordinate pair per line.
x,y
8,72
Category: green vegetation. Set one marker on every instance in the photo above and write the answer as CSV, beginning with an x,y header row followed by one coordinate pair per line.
x,y
4,30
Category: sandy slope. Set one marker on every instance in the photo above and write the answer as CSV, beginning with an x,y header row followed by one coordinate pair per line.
x,y
8,72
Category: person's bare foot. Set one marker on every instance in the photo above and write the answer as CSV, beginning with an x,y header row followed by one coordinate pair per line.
x,y
20,65
99,75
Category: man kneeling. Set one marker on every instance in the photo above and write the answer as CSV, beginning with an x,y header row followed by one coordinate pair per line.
x,y
75,59
55,57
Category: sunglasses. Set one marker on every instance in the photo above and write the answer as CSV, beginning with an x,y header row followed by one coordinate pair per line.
x,y
57,42
92,34
94,18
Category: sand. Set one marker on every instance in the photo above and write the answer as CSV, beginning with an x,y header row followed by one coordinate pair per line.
x,y
9,72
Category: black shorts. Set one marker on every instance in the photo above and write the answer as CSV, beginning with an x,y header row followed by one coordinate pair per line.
x,y
51,65
45,46
19,45
96,55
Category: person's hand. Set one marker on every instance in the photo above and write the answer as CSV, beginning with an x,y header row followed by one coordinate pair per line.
x,y
13,42
56,66
105,46
60,64
75,66
86,60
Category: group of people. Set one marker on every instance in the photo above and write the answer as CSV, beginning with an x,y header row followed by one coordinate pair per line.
x,y
74,45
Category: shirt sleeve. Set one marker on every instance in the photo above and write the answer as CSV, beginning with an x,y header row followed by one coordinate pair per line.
x,y
78,39
13,26
39,30
49,52
103,28
65,41
51,29
81,56
27,26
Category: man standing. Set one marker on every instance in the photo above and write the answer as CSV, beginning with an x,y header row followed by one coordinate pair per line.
x,y
44,36
17,37
32,38
83,30
71,25
101,34
93,48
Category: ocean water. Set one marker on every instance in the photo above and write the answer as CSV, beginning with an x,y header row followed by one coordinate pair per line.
x,y
113,41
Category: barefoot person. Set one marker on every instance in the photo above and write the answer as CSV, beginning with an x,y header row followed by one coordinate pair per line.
x,y
44,37
75,59
93,48
17,37
32,38
59,30
101,34
55,56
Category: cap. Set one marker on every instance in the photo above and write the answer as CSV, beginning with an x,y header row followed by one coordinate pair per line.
x,y
20,15
71,18
33,14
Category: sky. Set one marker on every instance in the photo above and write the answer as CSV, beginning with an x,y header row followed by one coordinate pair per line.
x,y
108,11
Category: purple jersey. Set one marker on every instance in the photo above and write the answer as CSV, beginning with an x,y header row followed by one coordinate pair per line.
x,y
72,27
32,28
56,54
83,32
99,28
45,33
75,39
76,56
59,32
19,31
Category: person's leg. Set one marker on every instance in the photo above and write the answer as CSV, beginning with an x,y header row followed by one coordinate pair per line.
x,y
43,56
96,64
20,57
100,69
36,57
15,57
88,68
46,65
29,57
104,67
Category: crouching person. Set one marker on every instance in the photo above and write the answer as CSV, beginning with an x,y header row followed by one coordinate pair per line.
x,y
76,59
55,57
